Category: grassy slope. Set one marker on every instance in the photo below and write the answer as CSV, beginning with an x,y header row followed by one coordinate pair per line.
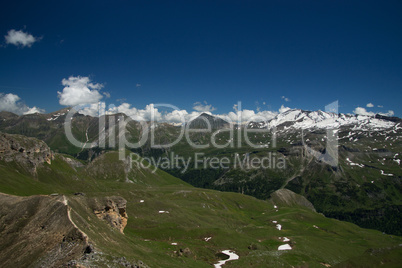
x,y
234,221
359,195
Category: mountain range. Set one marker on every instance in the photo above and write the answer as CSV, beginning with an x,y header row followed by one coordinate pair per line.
x,y
64,205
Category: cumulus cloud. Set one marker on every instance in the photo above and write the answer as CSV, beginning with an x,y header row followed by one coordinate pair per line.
x,y
363,111
389,113
248,116
175,116
79,90
151,111
137,114
12,103
369,105
285,99
34,110
283,109
199,107
20,38
93,109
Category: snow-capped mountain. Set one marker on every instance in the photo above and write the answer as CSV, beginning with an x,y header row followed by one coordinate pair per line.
x,y
299,119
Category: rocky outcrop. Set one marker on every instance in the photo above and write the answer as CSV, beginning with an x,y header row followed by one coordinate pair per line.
x,y
289,198
28,152
72,162
37,231
113,211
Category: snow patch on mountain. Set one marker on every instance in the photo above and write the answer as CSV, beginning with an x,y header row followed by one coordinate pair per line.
x,y
300,119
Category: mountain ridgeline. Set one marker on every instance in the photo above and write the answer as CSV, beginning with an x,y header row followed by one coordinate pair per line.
x,y
364,188
205,121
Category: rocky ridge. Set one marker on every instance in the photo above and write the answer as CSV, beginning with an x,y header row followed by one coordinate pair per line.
x,y
39,229
29,152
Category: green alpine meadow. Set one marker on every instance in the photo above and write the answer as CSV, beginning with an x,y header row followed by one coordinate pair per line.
x,y
94,208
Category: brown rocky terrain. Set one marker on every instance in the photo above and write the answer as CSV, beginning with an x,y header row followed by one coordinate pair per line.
x,y
37,231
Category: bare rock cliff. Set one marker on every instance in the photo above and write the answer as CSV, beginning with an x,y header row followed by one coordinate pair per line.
x,y
28,152
113,211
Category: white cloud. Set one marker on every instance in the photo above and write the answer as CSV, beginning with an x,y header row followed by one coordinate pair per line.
x,y
389,113
380,106
363,111
283,109
19,38
285,99
369,105
12,103
34,110
175,116
137,114
248,116
79,90
93,109
199,107
244,115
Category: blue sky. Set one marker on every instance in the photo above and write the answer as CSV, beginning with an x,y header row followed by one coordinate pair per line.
x,y
300,54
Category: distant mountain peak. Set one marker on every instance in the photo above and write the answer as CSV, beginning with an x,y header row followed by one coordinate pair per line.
x,y
200,122
301,119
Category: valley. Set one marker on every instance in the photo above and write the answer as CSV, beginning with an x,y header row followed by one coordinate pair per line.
x,y
119,214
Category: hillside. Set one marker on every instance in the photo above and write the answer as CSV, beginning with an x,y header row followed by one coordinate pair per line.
x,y
102,214
364,188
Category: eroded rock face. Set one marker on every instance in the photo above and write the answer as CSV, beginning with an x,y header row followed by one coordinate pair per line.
x,y
113,211
28,152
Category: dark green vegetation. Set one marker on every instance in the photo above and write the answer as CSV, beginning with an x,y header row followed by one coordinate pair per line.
x,y
359,190
365,188
231,220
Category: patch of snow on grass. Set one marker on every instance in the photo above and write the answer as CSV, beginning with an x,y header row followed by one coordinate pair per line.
x,y
385,174
232,256
285,247
354,164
